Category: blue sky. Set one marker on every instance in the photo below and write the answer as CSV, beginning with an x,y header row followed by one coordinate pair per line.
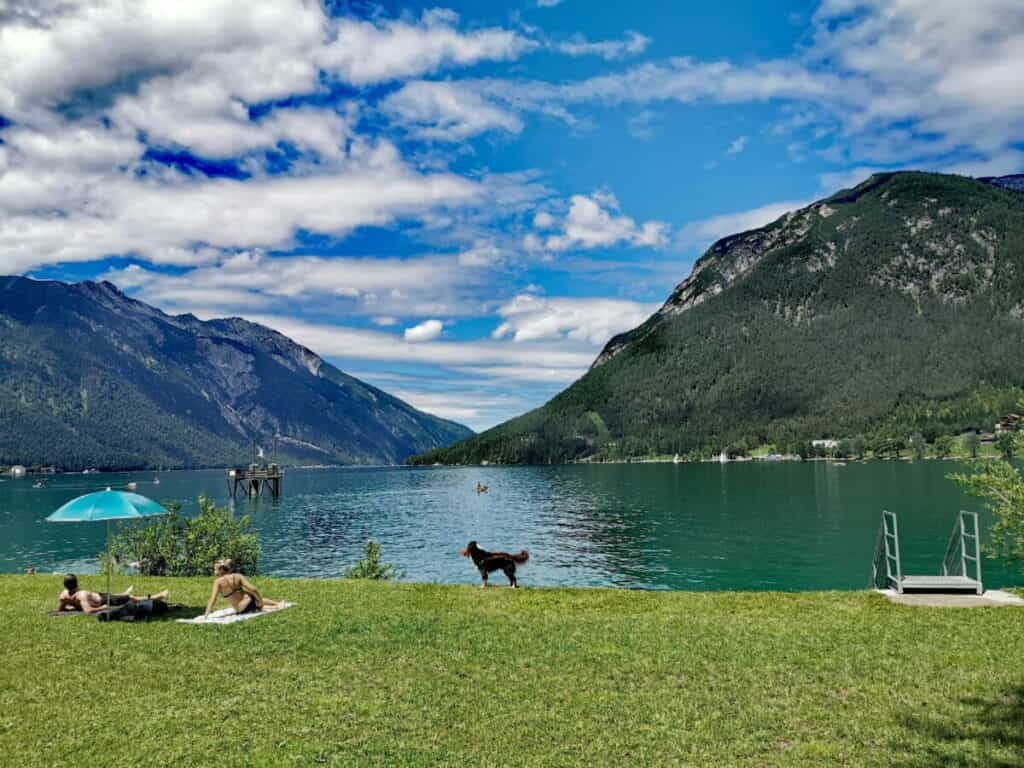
x,y
460,203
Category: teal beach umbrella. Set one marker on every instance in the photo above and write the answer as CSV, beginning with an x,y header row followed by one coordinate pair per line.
x,y
104,506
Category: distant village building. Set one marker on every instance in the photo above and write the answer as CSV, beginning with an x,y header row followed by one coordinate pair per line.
x,y
826,444
1011,422
17,471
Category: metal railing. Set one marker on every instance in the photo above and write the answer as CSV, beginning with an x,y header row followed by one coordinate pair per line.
x,y
887,551
964,549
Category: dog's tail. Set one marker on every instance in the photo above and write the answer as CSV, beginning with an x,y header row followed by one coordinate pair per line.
x,y
522,557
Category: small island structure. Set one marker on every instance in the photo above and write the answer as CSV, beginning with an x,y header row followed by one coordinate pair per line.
x,y
255,479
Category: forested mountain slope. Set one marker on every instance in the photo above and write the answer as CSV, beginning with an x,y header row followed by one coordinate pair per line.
x,y
92,378
889,308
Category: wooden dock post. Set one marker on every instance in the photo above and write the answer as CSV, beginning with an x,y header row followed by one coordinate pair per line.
x,y
256,479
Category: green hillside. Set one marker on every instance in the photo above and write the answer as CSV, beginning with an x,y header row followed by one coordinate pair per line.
x,y
892,308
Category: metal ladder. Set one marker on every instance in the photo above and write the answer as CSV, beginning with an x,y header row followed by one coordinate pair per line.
x,y
887,549
961,564
964,547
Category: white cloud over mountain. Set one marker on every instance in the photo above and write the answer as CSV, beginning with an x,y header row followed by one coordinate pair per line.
x,y
528,318
594,221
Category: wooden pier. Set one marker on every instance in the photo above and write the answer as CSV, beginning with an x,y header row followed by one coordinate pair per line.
x,y
255,479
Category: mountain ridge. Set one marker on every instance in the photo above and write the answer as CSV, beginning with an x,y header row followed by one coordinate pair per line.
x,y
81,362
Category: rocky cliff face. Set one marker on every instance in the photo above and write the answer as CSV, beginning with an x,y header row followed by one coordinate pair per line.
x,y
939,249
90,377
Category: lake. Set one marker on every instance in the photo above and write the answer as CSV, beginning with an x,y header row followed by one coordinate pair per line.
x,y
751,526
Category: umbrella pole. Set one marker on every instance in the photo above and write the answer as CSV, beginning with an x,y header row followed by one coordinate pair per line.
x,y
110,564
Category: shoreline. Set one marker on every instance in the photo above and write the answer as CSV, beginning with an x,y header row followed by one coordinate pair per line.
x,y
1017,588
769,459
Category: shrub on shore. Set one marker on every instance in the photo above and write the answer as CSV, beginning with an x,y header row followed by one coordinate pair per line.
x,y
1002,485
371,566
176,545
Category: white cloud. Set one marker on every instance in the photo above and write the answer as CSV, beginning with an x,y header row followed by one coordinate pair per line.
x,y
214,123
704,232
737,145
543,220
119,213
879,83
679,79
359,344
453,406
641,125
560,376
428,330
631,44
92,86
445,111
90,46
594,321
379,287
483,253
831,183
592,222
365,52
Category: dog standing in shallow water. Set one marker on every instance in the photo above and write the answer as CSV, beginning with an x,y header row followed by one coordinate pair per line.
x,y
488,562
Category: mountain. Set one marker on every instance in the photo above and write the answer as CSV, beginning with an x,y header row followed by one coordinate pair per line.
x,y
1014,182
92,378
890,308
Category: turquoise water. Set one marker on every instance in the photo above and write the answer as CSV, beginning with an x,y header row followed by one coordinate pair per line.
x,y
787,526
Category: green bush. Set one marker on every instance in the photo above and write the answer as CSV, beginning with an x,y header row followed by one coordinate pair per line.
x,y
371,567
944,446
1006,444
176,545
1002,486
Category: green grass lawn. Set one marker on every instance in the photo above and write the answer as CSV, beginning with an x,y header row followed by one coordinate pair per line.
x,y
401,674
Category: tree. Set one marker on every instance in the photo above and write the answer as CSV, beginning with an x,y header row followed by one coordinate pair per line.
x,y
943,446
917,445
859,446
737,449
898,445
1006,444
970,443
1003,487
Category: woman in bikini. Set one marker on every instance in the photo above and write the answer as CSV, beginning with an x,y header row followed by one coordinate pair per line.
x,y
237,590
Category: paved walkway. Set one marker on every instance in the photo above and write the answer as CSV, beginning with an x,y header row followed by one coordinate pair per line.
x,y
993,598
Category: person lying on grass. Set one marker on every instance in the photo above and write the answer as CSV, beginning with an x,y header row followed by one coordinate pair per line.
x,y
75,599
237,590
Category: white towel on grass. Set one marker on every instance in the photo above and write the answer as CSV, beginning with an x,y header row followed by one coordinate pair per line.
x,y
228,616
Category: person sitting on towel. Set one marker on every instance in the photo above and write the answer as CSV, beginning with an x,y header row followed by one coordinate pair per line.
x,y
75,599
237,590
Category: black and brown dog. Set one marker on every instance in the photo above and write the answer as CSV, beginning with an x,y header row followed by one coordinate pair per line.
x,y
488,562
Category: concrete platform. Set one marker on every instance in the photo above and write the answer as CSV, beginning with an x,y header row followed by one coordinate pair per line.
x,y
993,598
939,584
